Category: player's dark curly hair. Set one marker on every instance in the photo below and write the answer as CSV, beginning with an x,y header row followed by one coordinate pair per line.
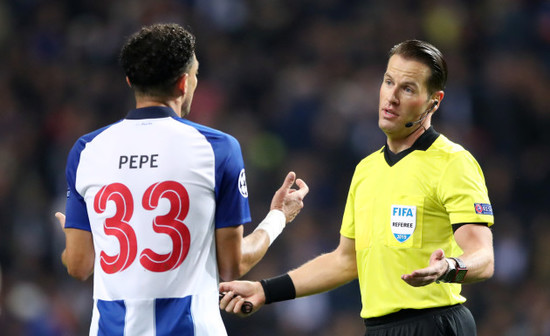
x,y
156,56
427,54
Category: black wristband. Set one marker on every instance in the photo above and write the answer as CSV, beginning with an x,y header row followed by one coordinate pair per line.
x,y
279,288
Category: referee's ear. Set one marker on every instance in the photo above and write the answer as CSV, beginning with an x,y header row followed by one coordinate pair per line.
x,y
437,96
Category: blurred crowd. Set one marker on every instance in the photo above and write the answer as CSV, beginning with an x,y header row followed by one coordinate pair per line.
x,y
296,82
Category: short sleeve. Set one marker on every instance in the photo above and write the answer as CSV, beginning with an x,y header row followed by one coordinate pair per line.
x,y
75,211
463,192
232,207
348,220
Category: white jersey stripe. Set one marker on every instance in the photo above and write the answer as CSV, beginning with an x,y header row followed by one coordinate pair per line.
x,y
152,189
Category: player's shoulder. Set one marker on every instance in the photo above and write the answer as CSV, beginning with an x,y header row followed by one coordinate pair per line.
x,y
92,135
211,134
89,137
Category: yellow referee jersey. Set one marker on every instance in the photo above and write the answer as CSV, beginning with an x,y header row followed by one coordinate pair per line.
x,y
402,208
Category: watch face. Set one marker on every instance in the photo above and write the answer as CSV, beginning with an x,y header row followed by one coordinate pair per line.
x,y
451,272
449,277
461,270
460,275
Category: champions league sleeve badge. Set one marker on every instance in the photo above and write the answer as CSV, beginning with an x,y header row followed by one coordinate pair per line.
x,y
403,221
243,189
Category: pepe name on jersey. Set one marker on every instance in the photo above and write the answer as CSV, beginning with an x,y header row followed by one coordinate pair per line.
x,y
138,161
403,221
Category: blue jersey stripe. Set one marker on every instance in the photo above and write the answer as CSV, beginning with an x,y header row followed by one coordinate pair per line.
x,y
111,317
173,317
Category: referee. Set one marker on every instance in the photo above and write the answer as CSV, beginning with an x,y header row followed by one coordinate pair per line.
x,y
416,222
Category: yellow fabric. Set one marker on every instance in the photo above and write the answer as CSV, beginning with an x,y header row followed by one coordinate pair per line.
x,y
440,186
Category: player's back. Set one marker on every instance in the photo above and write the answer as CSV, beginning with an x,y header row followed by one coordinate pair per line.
x,y
150,185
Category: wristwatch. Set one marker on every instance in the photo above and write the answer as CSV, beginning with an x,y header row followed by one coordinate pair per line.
x,y
455,273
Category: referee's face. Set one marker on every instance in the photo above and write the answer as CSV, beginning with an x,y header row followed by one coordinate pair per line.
x,y
403,96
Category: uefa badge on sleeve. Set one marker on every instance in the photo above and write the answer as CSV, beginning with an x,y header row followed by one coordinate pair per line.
x,y
483,209
243,189
403,221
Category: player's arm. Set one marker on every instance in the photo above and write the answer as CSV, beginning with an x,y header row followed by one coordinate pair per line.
x,y
476,242
237,254
78,256
318,275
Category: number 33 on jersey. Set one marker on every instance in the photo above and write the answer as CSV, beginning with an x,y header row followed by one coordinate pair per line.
x,y
119,226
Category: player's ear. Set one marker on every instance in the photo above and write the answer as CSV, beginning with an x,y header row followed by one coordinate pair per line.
x,y
128,81
181,84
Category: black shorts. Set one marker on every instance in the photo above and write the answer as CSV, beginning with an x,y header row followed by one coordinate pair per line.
x,y
454,320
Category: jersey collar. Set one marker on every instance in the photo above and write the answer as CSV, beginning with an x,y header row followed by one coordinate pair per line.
x,y
151,112
422,143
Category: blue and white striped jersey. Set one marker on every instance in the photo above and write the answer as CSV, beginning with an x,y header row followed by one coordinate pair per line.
x,y
152,188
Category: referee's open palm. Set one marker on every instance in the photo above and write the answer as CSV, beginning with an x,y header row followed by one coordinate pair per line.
x,y
426,276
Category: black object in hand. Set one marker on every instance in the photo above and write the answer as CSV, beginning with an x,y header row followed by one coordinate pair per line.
x,y
246,307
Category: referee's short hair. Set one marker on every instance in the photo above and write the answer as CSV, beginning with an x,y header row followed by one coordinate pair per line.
x,y
427,54
156,56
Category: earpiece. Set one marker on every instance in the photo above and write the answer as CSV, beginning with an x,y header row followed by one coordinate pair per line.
x,y
411,124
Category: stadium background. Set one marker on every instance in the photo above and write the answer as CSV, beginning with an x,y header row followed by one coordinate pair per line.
x,y
297,83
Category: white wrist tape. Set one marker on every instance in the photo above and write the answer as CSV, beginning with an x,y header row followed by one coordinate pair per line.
x,y
273,224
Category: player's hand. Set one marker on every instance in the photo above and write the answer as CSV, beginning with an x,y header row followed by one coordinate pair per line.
x,y
425,276
237,293
288,200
